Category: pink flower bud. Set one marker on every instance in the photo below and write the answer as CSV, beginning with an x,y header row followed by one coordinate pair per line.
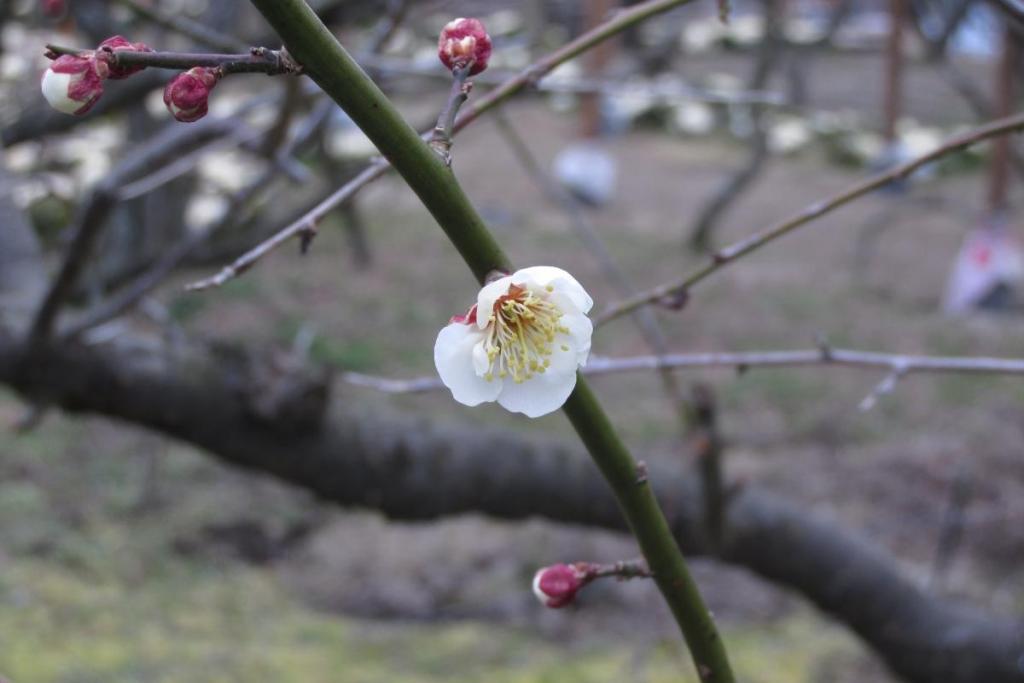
x,y
187,94
116,44
74,83
464,41
556,586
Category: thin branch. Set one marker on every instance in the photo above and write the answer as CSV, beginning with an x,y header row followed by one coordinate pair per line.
x,y
707,445
441,137
750,244
169,144
665,92
769,51
389,25
305,226
146,283
91,223
257,60
1012,10
951,531
745,360
527,78
883,388
182,165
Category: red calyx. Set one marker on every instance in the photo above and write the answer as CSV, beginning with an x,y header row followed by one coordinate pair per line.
x,y
117,44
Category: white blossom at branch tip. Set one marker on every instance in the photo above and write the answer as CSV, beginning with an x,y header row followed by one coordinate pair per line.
x,y
520,344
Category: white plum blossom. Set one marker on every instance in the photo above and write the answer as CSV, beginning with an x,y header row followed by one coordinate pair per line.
x,y
520,344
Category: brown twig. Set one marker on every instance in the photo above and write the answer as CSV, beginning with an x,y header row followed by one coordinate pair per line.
x,y
91,223
668,92
750,244
441,137
157,152
951,531
707,446
621,570
258,60
125,299
769,51
304,226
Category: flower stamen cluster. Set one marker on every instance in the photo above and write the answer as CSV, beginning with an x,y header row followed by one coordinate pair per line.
x,y
520,335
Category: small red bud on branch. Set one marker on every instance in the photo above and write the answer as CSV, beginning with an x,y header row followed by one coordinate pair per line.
x,y
117,44
187,94
463,42
556,586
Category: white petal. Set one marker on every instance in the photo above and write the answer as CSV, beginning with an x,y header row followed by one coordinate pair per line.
x,y
453,357
536,587
55,90
562,282
486,298
544,392
542,275
580,331
481,363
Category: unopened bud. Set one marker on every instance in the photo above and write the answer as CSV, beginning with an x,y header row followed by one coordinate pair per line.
x,y
117,44
73,83
464,41
188,93
556,586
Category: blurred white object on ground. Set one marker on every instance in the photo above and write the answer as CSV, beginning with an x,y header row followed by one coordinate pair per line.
x,y
588,171
987,270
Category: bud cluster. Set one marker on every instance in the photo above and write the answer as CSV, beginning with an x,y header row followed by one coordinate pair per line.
x,y
74,83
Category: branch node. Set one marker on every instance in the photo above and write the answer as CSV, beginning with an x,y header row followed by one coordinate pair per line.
x,y
306,236
641,473
824,348
676,300
884,387
288,63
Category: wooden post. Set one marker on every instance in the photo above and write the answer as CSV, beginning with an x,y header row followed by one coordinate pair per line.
x,y
596,60
999,167
894,68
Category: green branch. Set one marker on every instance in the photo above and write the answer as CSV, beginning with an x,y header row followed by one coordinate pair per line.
x,y
327,63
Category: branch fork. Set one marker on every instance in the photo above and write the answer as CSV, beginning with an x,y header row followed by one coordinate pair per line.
x,y
441,138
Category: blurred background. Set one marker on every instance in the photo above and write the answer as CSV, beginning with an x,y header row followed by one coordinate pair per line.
x,y
130,555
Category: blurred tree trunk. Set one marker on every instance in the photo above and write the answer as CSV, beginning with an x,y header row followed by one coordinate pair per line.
x,y
268,413
23,275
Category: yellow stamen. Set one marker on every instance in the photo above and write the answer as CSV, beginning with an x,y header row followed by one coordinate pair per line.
x,y
520,332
